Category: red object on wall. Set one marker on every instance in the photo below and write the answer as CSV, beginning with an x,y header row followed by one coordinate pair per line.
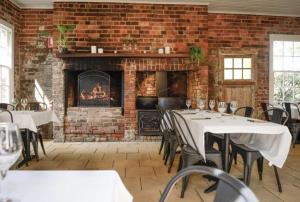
x,y
50,42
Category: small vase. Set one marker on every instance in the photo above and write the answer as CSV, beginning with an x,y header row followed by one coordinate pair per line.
x,y
62,50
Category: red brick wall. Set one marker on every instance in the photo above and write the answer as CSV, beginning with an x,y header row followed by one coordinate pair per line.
x,y
11,14
247,31
154,26
33,58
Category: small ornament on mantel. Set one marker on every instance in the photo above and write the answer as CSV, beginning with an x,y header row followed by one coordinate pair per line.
x,y
93,49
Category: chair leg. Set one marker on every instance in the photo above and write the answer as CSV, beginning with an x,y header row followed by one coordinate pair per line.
x,y
185,182
277,179
231,157
247,173
173,148
161,144
235,159
180,164
260,167
167,154
166,149
34,141
42,143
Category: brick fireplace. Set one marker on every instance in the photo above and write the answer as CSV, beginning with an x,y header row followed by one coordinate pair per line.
x,y
115,122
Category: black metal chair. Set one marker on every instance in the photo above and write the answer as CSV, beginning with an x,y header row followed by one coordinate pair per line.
x,y
229,188
171,142
190,154
292,123
37,137
265,107
7,106
219,138
250,155
3,110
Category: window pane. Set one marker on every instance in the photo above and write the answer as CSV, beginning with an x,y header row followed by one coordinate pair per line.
x,y
278,82
247,63
4,76
297,63
297,80
288,48
237,62
277,63
297,95
228,74
3,38
238,74
297,48
247,74
5,94
288,63
228,63
278,48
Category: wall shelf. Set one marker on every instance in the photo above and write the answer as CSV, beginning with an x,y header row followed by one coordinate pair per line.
x,y
121,55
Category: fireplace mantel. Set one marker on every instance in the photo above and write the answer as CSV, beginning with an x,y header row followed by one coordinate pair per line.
x,y
122,55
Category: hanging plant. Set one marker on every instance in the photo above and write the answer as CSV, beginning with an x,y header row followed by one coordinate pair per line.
x,y
196,54
62,48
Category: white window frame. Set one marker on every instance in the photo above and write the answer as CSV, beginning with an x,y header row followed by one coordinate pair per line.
x,y
276,37
11,72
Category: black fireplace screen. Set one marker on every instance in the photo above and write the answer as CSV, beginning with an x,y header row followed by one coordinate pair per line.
x,y
94,89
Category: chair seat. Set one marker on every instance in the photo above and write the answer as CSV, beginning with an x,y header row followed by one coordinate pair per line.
x,y
243,147
190,150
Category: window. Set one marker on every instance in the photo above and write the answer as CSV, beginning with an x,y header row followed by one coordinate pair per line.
x,y
284,68
6,62
237,68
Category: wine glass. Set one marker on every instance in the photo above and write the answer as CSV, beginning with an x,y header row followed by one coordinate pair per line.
x,y
24,103
212,104
221,107
188,103
15,103
200,104
10,150
233,106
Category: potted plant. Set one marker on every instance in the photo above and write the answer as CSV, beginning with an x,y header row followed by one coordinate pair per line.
x,y
196,54
62,47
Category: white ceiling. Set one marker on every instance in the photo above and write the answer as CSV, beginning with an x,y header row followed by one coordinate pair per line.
x,y
260,7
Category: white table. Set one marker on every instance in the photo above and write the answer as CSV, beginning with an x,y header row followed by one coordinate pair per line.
x,y
66,186
30,119
272,140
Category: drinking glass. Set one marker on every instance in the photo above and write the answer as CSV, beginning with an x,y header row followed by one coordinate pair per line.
x,y
15,102
221,107
200,104
233,106
24,103
212,104
10,151
188,103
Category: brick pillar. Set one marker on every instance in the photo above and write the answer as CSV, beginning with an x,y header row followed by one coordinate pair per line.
x,y
198,84
129,99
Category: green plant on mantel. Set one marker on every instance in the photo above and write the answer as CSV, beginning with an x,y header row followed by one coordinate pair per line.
x,y
63,29
196,54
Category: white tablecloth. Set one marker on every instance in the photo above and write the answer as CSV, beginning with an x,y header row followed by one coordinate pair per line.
x,y
30,119
272,140
66,186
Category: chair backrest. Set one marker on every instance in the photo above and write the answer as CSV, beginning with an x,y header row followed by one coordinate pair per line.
x,y
278,115
288,106
7,111
248,111
7,106
229,188
265,106
36,106
182,130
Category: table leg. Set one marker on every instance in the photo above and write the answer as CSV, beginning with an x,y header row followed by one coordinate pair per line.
x,y
226,152
26,141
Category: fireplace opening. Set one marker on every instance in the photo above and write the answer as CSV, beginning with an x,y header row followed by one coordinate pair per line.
x,y
94,88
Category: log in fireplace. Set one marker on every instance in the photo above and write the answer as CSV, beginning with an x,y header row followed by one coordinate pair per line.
x,y
94,89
